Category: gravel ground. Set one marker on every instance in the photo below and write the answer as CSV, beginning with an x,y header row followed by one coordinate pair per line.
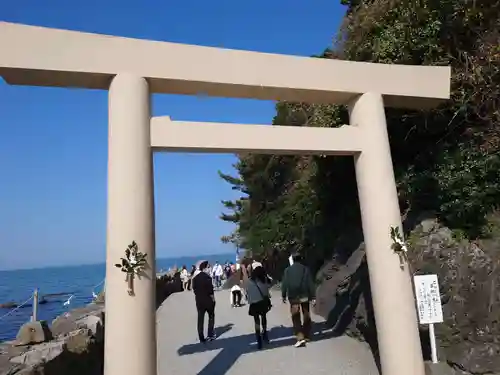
x,y
235,353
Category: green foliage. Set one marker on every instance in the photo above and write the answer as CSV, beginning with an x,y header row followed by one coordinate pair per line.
x,y
134,261
458,235
446,160
398,244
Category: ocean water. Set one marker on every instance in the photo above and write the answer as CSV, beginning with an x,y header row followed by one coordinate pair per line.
x,y
77,281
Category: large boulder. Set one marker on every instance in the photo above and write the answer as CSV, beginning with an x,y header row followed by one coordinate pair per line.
x,y
95,324
8,351
76,353
92,315
39,354
468,272
77,347
33,333
469,275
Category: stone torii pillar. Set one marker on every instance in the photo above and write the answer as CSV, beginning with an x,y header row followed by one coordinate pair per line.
x,y
130,337
391,287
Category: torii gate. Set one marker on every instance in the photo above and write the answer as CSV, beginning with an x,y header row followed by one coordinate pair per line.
x,y
133,69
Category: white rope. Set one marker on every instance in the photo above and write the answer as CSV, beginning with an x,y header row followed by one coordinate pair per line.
x,y
94,294
103,280
16,308
66,303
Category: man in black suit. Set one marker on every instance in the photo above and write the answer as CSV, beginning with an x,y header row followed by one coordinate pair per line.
x,y
205,301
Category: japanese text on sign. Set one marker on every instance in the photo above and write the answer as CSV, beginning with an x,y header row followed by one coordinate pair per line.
x,y
428,299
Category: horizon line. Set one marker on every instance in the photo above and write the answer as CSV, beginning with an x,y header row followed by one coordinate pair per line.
x,y
104,262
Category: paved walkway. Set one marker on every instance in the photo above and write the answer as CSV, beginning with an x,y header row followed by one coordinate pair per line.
x,y
235,353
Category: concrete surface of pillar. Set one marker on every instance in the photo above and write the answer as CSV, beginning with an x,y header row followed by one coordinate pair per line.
x,y
391,286
130,337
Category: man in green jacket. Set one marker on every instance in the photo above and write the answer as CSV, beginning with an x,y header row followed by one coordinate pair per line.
x,y
298,286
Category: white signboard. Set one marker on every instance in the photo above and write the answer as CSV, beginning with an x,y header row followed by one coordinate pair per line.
x,y
428,299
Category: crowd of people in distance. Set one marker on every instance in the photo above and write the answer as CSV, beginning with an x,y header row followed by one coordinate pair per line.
x,y
252,281
218,272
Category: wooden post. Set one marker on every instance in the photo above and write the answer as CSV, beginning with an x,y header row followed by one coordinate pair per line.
x,y
34,317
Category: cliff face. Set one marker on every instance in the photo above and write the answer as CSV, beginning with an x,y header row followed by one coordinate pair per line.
x,y
469,275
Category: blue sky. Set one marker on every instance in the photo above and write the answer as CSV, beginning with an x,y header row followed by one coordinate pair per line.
x,y
53,142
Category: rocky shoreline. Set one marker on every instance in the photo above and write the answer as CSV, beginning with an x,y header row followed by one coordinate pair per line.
x,y
73,344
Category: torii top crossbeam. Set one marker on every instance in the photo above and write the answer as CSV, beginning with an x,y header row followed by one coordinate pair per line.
x,y
39,56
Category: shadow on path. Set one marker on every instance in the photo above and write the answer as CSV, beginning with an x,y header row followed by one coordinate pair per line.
x,y
219,331
343,314
231,348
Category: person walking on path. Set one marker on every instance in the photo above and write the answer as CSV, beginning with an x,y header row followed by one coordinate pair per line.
x,y
298,286
184,278
191,275
259,300
205,301
227,270
218,271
